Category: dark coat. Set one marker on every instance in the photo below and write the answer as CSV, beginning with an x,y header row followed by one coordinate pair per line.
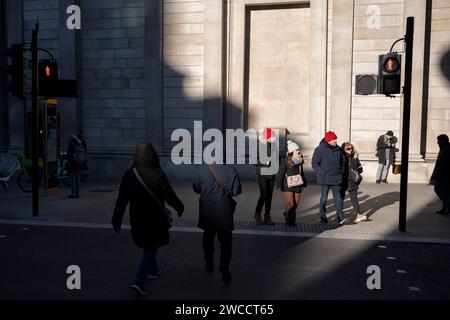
x,y
381,150
441,172
71,165
216,212
148,221
354,164
281,179
328,164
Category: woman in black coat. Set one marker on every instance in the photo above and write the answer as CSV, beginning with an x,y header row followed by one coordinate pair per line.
x,y
292,165
352,172
148,218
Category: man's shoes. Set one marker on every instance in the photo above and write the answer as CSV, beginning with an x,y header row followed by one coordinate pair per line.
x,y
258,218
444,211
209,267
154,276
268,220
384,181
341,222
291,224
140,290
73,196
378,181
323,219
226,276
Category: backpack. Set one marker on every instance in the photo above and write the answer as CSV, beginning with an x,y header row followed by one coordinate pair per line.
x,y
79,154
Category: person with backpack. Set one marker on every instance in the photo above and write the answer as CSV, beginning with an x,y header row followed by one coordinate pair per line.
x,y
76,158
146,188
217,184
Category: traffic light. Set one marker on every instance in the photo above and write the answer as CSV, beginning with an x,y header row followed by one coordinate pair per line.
x,y
17,70
389,71
48,71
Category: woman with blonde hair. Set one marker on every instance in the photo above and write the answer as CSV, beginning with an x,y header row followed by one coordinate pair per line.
x,y
352,178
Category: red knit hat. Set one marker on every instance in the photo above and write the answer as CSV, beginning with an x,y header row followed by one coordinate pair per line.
x,y
329,136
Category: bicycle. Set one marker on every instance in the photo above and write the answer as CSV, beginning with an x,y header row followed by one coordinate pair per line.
x,y
24,178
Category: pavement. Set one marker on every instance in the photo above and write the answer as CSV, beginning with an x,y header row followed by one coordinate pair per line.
x,y
379,202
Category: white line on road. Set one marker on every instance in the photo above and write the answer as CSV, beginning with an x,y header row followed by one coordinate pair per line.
x,y
391,258
25,228
414,289
2,236
401,271
382,247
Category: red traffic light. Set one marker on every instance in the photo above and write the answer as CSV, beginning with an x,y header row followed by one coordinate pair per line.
x,y
48,70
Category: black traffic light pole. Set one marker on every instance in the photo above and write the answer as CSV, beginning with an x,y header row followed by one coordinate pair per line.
x,y
406,123
35,124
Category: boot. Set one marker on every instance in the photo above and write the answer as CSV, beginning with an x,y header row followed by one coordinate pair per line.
x,y
258,218
268,220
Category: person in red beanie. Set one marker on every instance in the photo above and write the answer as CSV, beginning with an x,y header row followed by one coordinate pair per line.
x,y
328,163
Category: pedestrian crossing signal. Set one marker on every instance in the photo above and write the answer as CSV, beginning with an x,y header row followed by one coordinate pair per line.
x,y
389,71
48,70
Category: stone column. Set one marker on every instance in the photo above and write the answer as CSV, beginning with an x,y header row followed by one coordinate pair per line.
x,y
416,9
153,73
318,71
341,68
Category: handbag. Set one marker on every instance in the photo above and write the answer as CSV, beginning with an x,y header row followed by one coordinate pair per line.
x,y
294,181
221,185
355,176
397,169
166,211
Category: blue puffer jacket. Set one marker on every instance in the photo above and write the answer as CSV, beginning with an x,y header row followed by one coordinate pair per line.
x,y
328,164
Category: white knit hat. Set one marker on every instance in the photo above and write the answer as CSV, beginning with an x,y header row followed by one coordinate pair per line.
x,y
292,146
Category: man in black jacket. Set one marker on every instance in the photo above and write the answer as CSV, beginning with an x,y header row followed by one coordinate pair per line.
x,y
386,155
441,174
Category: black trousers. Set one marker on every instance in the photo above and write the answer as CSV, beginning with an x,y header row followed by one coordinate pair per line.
x,y
353,198
225,239
266,186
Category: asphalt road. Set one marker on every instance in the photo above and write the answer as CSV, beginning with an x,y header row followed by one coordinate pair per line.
x,y
34,260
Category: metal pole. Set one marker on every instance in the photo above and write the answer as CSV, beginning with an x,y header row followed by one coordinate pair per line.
x,y
406,123
35,123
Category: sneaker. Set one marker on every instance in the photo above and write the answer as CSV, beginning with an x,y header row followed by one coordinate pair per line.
x,y
378,181
360,217
226,277
140,290
154,276
341,222
384,181
323,219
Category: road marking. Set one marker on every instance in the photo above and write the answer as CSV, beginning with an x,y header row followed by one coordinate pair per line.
x,y
414,289
382,247
2,236
401,271
25,228
391,258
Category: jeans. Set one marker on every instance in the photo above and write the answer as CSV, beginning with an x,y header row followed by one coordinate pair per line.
x,y
225,239
336,190
383,170
75,183
442,189
147,265
266,186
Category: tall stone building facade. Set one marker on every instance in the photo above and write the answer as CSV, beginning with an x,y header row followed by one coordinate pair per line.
x,y
148,67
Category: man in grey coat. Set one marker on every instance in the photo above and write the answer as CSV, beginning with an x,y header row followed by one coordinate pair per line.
x,y
385,154
217,184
